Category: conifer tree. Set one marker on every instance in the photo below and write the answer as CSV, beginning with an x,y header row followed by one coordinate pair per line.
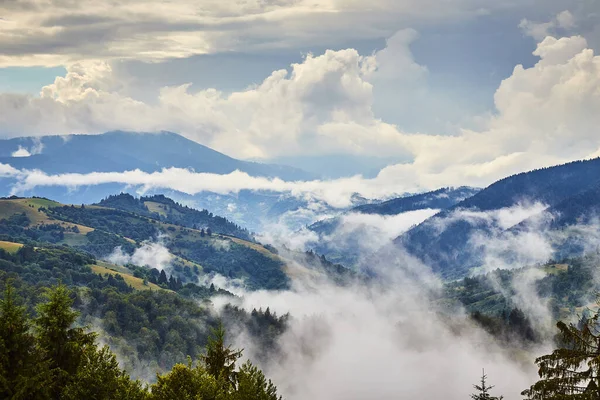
x,y
483,390
99,377
162,279
220,360
186,382
63,345
571,372
23,374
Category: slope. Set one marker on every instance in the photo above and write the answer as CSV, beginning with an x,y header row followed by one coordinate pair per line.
x,y
442,241
165,209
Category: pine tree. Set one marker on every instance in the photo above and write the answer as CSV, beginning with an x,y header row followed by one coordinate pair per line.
x,y
484,390
571,372
62,344
162,279
220,360
23,374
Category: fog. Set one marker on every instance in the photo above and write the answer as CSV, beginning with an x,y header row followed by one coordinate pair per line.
x,y
384,340
390,339
151,254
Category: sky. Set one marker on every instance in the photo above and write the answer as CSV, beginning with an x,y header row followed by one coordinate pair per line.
x,y
439,92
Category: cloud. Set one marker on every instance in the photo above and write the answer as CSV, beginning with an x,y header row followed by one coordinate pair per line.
x,y
37,148
367,233
56,32
150,254
21,152
545,115
337,193
564,21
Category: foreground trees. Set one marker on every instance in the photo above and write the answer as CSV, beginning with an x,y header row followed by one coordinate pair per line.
x,y
49,358
215,377
571,372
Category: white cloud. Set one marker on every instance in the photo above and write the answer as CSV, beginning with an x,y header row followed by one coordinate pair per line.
x,y
545,115
370,232
21,152
539,30
150,254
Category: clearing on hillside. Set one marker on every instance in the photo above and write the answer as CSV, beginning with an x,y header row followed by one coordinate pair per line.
x,y
10,247
131,280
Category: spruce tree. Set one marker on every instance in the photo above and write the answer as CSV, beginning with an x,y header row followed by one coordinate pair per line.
x,y
483,390
162,279
23,374
63,345
571,372
220,360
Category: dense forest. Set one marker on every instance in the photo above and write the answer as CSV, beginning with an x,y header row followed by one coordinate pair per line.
x,y
49,357
150,329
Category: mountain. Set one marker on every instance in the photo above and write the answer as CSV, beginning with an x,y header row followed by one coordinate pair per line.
x,y
333,166
567,192
342,238
120,151
438,199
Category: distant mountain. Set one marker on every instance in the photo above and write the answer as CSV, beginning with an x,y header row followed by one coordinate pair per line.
x,y
437,199
333,166
570,191
120,151
341,238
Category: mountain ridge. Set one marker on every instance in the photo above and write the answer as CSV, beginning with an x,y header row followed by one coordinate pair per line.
x,y
118,151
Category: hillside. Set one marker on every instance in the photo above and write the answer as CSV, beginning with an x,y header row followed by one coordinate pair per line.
x,y
340,237
569,190
120,151
438,199
167,210
101,231
148,325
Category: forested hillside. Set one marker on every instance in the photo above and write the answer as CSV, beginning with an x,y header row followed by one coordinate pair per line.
x,y
167,210
100,230
443,241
